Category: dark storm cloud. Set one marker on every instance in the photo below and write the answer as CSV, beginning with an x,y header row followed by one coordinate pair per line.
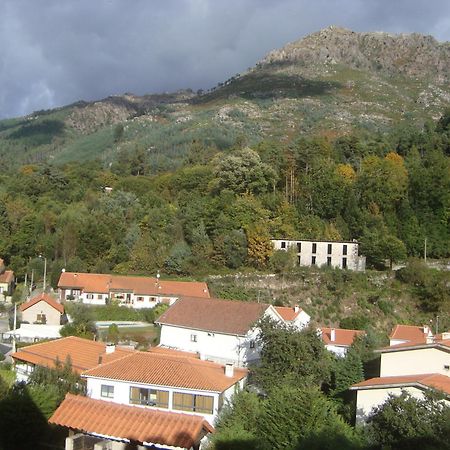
x,y
54,52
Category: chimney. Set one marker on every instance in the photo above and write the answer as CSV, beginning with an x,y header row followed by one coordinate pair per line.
x,y
100,359
229,370
296,308
430,339
332,334
110,348
426,329
446,335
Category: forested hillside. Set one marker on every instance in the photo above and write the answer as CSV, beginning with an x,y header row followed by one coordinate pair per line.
x,y
313,142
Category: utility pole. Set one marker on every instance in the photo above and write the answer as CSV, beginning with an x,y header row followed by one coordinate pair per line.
x,y
45,275
14,328
32,279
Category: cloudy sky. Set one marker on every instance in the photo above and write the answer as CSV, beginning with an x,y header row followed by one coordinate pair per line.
x,y
54,52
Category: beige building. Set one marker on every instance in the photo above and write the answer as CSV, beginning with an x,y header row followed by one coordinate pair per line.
x,y
42,309
337,254
413,367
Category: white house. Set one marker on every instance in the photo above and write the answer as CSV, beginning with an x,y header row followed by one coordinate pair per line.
x,y
83,354
401,334
6,281
338,254
411,367
166,381
338,340
42,309
220,330
121,427
134,292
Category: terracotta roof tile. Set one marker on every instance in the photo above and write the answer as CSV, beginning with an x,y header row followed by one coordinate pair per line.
x,y
42,298
215,315
411,333
288,313
84,354
132,423
435,343
343,337
432,380
168,370
104,283
7,276
173,352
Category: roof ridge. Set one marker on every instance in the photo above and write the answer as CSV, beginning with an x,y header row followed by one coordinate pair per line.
x,y
107,363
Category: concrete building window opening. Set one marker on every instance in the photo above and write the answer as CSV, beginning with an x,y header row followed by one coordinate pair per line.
x,y
313,260
330,248
314,248
344,249
344,263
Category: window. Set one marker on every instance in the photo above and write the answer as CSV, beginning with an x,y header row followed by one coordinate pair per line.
x,y
90,296
252,344
283,244
299,258
329,261
193,338
313,260
191,402
149,397
107,391
41,318
344,263
330,248
76,292
299,247
100,297
140,299
344,249
314,248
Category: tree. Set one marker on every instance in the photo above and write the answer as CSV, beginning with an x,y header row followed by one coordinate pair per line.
x,y
405,422
259,245
243,172
82,324
290,355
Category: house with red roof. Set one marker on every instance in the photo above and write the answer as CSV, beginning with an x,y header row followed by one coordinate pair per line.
x,y
220,330
84,354
6,280
42,309
131,291
338,340
166,381
414,367
402,334
102,424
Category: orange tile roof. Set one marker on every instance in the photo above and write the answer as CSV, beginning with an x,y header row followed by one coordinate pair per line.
x,y
174,352
104,283
343,337
287,313
411,333
168,370
431,380
436,343
214,315
84,354
42,298
131,423
7,276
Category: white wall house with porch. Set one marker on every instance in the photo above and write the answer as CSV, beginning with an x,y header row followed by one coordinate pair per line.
x,y
166,381
134,292
337,254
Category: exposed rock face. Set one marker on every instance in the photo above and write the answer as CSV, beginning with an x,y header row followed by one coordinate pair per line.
x,y
413,55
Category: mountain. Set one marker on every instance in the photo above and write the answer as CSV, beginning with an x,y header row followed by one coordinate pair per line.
x,y
328,83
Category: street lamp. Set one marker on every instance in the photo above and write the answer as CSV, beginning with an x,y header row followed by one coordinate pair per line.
x,y
45,272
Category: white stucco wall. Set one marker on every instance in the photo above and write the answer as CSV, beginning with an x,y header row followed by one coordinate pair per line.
x,y
122,395
338,350
305,255
212,346
368,399
52,315
413,362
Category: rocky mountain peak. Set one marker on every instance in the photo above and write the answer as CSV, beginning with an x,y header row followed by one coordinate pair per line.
x,y
413,55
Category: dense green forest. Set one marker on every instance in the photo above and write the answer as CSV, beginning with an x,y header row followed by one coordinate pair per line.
x,y
389,191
